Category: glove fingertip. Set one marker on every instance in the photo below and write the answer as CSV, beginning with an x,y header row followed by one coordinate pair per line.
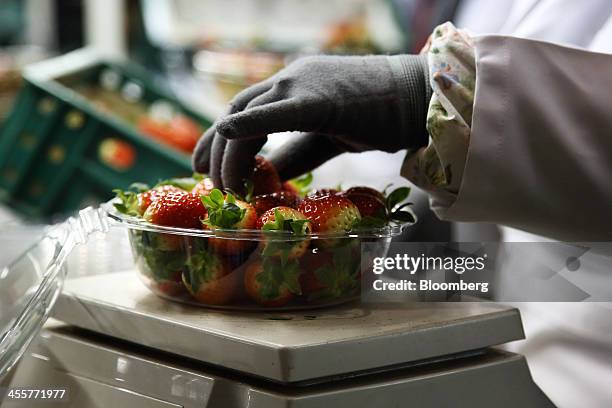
x,y
199,164
227,128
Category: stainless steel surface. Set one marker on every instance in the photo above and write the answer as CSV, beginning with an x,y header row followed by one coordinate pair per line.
x,y
102,372
285,347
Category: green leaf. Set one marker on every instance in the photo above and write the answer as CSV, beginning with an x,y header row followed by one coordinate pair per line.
x,y
388,186
369,222
128,202
163,265
139,187
397,196
281,223
291,277
403,216
217,197
340,278
223,212
184,183
299,227
302,183
208,202
202,266
276,277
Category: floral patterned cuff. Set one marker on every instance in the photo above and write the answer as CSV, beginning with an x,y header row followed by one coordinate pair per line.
x,y
438,167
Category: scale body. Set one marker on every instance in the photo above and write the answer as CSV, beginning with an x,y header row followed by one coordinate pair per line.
x,y
113,343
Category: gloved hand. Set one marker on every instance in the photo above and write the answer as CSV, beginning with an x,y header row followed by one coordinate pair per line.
x,y
343,104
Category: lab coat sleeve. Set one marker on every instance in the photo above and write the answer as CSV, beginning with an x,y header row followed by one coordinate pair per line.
x,y
540,147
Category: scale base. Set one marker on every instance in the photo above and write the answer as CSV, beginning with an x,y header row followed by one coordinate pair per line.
x,y
101,372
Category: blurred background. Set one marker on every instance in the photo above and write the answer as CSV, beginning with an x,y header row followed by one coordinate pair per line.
x,y
95,95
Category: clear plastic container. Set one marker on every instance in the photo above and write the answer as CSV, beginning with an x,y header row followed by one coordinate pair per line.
x,y
241,270
252,269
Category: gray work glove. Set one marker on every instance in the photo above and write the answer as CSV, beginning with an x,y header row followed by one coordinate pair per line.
x,y
343,104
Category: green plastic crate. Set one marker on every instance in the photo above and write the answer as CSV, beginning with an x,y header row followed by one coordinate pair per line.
x,y
51,159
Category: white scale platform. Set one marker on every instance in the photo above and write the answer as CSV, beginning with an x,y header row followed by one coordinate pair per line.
x,y
305,346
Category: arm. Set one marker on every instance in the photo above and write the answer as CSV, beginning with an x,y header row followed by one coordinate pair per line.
x,y
540,149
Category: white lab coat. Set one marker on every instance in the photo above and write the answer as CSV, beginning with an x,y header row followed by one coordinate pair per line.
x,y
542,122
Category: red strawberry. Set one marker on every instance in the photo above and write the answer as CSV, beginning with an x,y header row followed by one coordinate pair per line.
x,y
369,205
265,178
225,212
323,192
147,197
311,262
271,284
203,187
176,209
284,219
271,220
210,279
289,187
170,287
263,203
330,213
331,274
180,132
365,190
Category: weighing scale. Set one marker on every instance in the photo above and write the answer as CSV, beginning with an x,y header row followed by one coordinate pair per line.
x,y
114,344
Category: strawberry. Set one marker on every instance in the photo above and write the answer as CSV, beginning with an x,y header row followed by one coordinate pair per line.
x,y
265,178
161,258
298,186
263,203
203,187
331,274
147,197
369,205
289,188
309,263
180,132
284,219
171,287
176,209
118,154
137,199
225,212
377,210
209,278
364,190
271,284
323,192
330,213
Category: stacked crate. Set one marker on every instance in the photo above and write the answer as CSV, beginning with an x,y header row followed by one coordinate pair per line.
x,y
60,152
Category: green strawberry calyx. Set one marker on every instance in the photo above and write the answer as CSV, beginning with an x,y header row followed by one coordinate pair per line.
x,y
223,212
280,223
127,200
184,183
283,248
396,210
340,278
201,268
275,277
302,184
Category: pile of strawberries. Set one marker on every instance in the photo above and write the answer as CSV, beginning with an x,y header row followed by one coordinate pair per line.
x,y
272,271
